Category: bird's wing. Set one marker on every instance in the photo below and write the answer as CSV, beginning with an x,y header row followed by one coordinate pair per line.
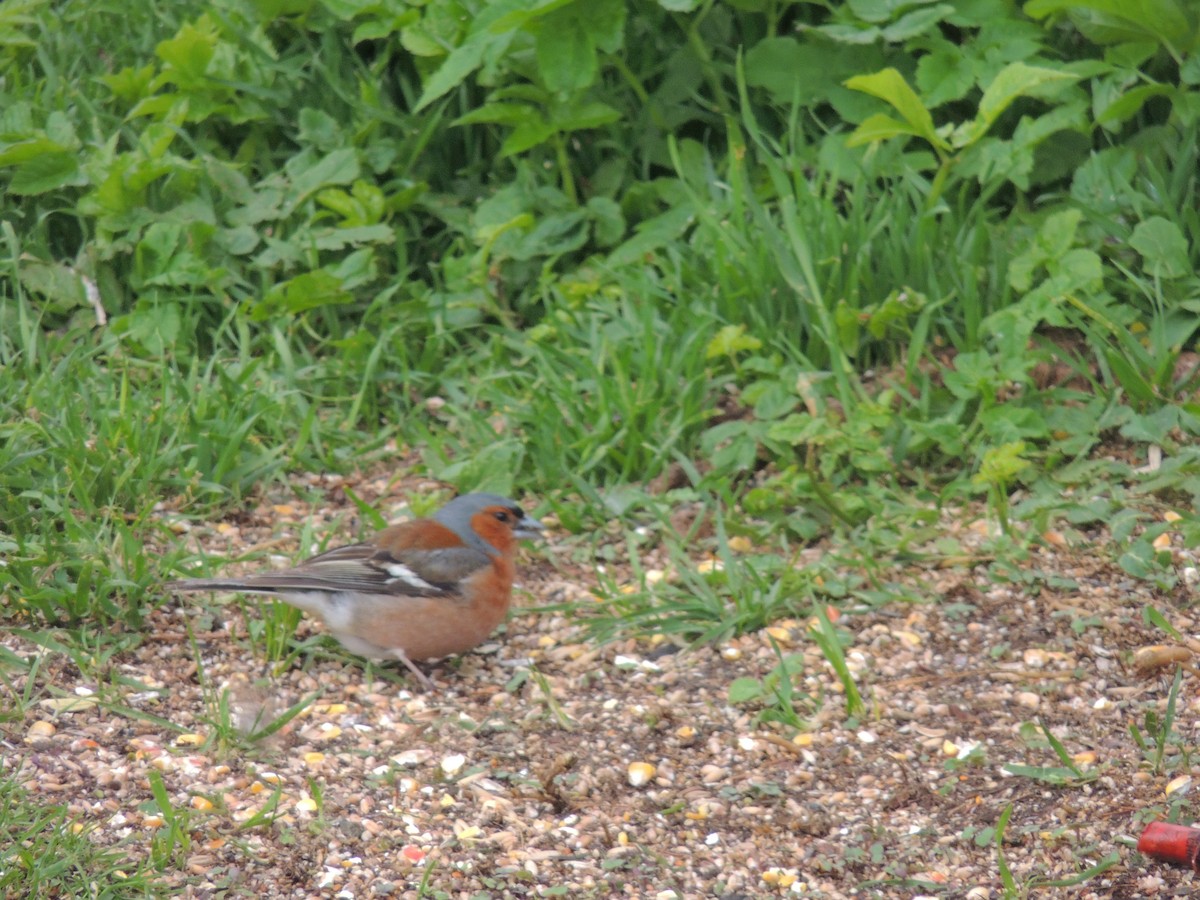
x,y
367,567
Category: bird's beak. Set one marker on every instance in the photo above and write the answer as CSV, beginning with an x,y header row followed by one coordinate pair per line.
x,y
529,528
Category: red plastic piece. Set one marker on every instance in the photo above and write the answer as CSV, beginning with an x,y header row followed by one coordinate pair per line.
x,y
1171,843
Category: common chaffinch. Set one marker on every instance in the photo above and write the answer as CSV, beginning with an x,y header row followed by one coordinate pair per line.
x,y
418,590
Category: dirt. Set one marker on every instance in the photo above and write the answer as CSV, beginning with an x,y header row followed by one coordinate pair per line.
x,y
546,765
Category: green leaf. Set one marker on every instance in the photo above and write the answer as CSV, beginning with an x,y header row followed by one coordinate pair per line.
x,y
807,73
340,202
917,22
362,206
731,446
605,20
130,84
496,113
1116,21
458,65
1080,269
1054,239
310,175
974,374
155,326
583,116
421,41
304,292
1014,80
319,128
771,399
1151,616
528,134
945,75
370,514
566,56
492,30
879,127
1057,234
1163,247
874,11
1150,428
652,234
46,173
240,241
384,27
1008,422
745,690
356,269
796,429
898,307
946,436
731,340
848,323
1056,775
1000,465
1129,103
57,282
826,637
554,234
187,55
1189,72
23,151
15,16
851,34
489,468
340,238
61,129
608,223
1138,389
1060,139
889,85
172,254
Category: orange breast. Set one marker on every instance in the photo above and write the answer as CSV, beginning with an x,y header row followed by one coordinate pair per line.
x,y
428,627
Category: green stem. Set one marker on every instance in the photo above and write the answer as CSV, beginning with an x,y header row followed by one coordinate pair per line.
x,y
697,45
632,80
564,167
823,493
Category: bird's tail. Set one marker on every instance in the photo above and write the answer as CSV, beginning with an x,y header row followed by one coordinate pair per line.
x,y
239,585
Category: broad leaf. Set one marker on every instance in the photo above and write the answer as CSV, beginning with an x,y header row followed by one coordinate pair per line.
x,y
889,85
1013,81
1163,247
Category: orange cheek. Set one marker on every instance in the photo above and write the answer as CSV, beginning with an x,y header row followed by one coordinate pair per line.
x,y
492,530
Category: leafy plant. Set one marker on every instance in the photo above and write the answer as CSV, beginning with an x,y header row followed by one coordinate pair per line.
x,y
1068,772
1158,728
43,852
776,692
965,147
829,640
171,841
997,470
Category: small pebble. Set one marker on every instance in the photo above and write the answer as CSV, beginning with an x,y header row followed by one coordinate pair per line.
x,y
1178,785
640,773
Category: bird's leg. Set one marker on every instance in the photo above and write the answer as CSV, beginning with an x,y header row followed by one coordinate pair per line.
x,y
426,681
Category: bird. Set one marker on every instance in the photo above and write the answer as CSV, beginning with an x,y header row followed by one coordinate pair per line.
x,y
421,589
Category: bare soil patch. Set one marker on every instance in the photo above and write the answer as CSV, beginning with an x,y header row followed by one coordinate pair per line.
x,y
510,784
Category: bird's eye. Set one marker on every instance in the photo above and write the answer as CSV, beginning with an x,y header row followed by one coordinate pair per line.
x,y
502,516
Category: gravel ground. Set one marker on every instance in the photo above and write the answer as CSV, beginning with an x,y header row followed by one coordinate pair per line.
x,y
623,770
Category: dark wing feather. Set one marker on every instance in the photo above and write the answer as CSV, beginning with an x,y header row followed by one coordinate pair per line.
x,y
364,568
